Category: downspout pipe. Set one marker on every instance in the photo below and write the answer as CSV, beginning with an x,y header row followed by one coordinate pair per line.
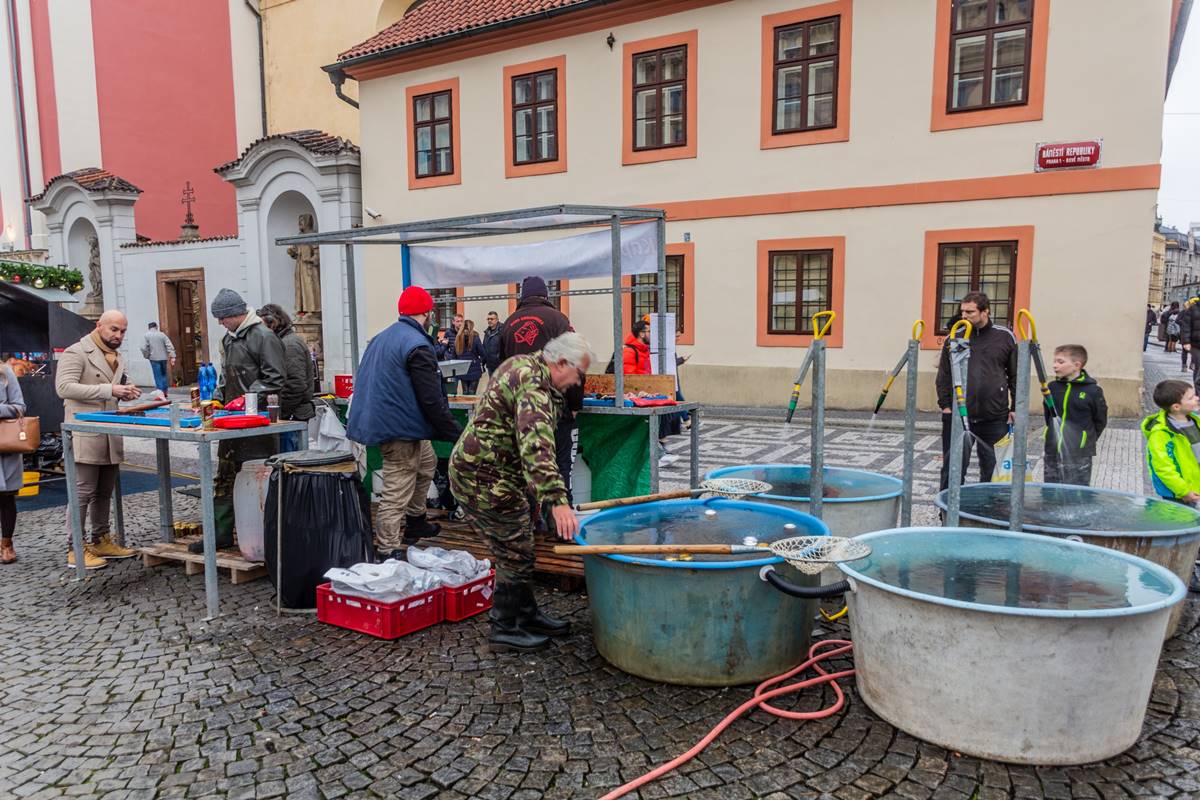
x,y
14,49
262,69
337,76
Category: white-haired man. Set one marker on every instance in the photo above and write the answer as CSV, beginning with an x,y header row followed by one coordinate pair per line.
x,y
507,450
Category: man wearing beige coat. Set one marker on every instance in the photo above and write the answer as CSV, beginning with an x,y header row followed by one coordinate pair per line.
x,y
92,376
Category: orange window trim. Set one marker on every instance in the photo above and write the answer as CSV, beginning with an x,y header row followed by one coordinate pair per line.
x,y
1001,187
1021,234
454,177
688,251
564,286
836,290
841,131
691,97
1035,85
559,164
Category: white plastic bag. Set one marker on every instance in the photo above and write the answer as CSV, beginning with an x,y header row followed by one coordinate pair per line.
x,y
331,434
386,582
458,562
1004,460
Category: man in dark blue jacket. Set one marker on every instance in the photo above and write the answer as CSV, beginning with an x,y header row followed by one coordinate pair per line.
x,y
399,405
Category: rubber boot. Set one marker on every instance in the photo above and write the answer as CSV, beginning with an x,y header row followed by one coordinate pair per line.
x,y
507,635
530,618
223,522
416,528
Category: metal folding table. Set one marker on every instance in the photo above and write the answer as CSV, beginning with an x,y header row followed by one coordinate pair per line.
x,y
163,436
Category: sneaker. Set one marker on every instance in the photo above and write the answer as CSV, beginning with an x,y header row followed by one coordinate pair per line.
x,y
667,459
107,548
90,559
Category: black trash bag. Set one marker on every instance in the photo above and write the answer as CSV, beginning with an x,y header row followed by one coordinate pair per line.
x,y
326,523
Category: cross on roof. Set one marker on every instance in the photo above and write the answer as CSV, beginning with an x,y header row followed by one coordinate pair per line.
x,y
189,197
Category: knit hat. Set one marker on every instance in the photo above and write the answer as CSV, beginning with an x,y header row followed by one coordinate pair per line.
x,y
414,300
533,286
228,304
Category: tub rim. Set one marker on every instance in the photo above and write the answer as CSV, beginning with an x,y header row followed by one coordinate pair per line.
x,y
723,471
940,501
1178,593
798,517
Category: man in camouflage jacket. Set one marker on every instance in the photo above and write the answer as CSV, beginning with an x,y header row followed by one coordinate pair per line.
x,y
506,451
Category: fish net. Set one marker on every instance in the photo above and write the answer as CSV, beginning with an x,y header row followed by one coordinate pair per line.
x,y
733,487
810,554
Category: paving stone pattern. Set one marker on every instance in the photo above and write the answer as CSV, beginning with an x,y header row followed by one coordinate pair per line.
x,y
115,688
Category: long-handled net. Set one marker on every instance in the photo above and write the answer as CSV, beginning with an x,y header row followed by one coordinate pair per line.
x,y
810,554
733,487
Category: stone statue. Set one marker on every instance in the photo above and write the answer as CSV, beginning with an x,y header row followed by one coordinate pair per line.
x,y
96,295
308,271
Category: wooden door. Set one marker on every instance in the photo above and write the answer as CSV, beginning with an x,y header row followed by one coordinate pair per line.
x,y
181,314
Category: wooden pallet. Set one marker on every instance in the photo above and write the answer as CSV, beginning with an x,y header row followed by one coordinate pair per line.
x,y
459,536
240,570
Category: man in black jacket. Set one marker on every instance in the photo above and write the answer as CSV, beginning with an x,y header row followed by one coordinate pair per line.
x,y
1189,331
535,322
491,342
991,387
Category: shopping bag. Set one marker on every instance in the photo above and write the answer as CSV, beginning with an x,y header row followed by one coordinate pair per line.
x,y
1004,460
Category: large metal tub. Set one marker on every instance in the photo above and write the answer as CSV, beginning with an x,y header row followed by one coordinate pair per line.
x,y
705,622
1013,647
1157,530
856,501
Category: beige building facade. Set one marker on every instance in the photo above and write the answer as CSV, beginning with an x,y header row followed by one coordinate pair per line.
x,y
1157,296
886,209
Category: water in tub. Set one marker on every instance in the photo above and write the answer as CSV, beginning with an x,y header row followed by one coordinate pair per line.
x,y
691,524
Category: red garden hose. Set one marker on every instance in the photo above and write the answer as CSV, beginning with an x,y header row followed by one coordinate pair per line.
x,y
761,695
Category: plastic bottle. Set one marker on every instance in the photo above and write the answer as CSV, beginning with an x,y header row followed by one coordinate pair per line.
x,y
206,383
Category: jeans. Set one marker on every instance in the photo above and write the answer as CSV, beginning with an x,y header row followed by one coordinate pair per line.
x,y
160,375
986,434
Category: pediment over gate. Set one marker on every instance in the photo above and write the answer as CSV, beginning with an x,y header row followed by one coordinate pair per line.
x,y
322,151
99,184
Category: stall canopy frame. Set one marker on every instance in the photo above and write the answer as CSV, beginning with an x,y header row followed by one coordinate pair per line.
x,y
507,223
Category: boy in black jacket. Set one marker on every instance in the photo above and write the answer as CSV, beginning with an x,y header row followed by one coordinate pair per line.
x,y
1082,414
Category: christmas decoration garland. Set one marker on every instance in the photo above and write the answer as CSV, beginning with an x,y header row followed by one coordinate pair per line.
x,y
40,277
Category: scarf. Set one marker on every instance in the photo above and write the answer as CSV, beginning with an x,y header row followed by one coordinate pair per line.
x,y
250,320
110,355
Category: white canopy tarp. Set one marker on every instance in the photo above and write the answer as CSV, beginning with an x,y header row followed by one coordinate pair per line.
x,y
588,255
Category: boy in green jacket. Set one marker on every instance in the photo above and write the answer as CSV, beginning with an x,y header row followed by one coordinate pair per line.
x,y
1173,441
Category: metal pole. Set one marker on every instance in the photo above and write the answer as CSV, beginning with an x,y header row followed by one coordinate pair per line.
x,y
816,475
120,508
1020,437
910,431
209,523
352,297
661,225
954,487
653,421
694,416
618,315
166,514
73,510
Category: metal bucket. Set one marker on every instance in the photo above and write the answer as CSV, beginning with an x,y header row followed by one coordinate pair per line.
x,y
1039,665
857,501
704,622
1160,531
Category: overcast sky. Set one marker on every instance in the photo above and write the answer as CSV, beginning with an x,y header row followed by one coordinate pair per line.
x,y
1179,196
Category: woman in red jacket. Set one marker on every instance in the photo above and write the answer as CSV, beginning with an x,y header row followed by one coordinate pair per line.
x,y
637,349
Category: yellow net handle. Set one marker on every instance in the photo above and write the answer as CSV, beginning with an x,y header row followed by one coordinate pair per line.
x,y
918,329
961,325
1026,325
820,330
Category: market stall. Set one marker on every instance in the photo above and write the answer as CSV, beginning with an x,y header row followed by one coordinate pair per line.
x,y
163,436
620,441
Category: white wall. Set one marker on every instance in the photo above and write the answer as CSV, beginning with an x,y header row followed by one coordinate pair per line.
x,y
283,220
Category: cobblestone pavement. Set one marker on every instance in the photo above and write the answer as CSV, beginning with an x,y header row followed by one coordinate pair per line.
x,y
115,688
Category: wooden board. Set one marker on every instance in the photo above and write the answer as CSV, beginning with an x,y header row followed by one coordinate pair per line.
x,y
240,570
650,384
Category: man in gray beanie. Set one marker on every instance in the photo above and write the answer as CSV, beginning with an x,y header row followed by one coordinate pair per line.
x,y
251,361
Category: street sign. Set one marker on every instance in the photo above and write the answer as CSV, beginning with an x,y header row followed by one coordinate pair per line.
x,y
1067,155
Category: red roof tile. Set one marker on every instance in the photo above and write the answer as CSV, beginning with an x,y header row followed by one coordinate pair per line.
x,y
314,141
93,179
433,19
142,241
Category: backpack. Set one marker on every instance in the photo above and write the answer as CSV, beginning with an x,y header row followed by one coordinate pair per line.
x,y
1173,325
611,368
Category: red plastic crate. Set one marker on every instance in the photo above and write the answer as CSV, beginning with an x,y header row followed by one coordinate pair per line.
x,y
385,620
470,598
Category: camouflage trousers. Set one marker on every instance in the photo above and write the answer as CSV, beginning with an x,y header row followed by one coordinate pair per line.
x,y
510,533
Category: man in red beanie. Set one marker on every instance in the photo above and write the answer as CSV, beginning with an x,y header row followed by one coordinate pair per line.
x,y
399,405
